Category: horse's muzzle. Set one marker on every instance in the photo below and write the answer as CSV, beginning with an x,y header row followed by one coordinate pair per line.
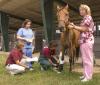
x,y
61,29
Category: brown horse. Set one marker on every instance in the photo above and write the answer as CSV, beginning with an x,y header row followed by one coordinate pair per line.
x,y
69,37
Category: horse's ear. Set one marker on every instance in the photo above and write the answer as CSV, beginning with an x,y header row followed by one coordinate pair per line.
x,y
66,6
58,7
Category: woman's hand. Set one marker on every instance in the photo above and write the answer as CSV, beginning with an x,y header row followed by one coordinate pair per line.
x,y
71,25
54,64
27,67
28,40
58,61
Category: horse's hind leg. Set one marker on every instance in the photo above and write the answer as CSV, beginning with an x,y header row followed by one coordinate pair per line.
x,y
70,62
75,56
77,52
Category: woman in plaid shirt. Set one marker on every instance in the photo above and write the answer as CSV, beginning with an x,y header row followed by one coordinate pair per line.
x,y
86,41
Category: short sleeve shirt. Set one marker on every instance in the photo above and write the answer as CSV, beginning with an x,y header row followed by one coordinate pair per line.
x,y
48,53
26,33
14,55
87,37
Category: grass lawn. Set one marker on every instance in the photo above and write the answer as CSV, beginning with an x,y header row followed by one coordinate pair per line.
x,y
38,77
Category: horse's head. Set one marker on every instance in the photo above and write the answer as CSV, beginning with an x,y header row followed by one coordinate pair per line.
x,y
63,16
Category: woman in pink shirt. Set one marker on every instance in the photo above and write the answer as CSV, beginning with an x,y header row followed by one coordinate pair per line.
x,y
86,41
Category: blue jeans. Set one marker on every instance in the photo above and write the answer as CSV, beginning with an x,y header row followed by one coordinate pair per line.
x,y
44,62
28,53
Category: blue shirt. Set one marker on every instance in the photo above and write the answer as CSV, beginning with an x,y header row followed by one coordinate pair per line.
x,y
26,33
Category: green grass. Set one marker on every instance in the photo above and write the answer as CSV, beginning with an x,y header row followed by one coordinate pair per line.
x,y
38,77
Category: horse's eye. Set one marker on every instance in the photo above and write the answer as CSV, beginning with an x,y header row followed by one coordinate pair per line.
x,y
67,14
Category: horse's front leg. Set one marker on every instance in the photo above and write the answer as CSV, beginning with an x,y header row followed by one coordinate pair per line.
x,y
63,53
62,59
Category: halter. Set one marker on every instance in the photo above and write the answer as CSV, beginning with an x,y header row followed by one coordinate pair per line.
x,y
59,16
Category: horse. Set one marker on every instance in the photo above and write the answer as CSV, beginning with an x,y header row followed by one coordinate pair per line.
x,y
69,37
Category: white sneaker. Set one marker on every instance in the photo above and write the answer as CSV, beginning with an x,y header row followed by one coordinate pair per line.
x,y
42,69
85,80
58,72
82,77
12,73
31,69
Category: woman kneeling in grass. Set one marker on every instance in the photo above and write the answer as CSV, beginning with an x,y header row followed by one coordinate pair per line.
x,y
48,57
16,62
